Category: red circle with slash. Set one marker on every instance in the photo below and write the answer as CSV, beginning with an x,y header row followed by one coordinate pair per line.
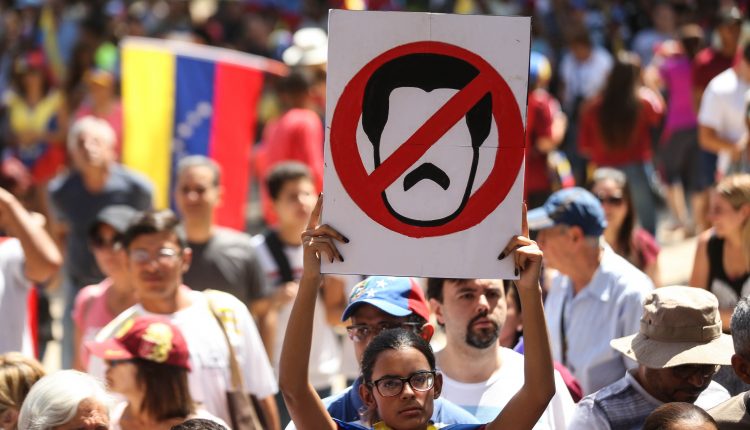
x,y
366,188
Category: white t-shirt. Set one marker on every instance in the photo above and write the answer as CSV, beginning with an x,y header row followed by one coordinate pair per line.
x,y
209,355
723,109
486,399
14,288
325,354
584,79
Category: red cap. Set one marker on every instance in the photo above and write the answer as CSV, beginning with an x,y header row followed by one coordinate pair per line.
x,y
147,337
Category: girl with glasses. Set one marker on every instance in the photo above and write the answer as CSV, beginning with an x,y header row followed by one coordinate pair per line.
x,y
623,233
398,367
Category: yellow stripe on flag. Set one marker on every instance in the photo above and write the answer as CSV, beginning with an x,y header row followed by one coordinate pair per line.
x,y
148,77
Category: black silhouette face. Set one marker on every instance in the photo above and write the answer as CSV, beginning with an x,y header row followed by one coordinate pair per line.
x,y
399,98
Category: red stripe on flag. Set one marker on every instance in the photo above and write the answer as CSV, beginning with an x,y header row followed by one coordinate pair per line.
x,y
236,94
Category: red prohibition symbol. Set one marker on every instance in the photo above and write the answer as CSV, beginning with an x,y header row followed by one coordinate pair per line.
x,y
367,189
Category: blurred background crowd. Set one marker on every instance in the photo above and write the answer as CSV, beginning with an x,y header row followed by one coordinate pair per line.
x,y
643,102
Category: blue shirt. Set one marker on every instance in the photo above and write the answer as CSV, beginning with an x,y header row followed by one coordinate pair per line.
x,y
346,405
609,307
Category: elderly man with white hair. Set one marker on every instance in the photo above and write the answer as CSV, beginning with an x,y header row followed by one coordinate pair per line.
x,y
66,399
95,181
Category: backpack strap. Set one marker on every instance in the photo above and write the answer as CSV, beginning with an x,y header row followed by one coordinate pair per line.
x,y
276,248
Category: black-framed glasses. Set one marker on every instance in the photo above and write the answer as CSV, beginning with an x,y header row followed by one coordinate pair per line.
x,y
164,255
611,200
390,386
687,371
362,332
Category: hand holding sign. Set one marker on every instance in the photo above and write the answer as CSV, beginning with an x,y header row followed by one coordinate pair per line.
x,y
425,141
527,257
318,241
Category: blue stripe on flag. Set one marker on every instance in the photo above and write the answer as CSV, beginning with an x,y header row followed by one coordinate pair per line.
x,y
194,110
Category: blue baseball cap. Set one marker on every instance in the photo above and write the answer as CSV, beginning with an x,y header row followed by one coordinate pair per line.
x,y
570,206
395,296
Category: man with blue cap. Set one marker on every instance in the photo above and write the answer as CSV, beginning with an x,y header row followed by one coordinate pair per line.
x,y
595,297
376,304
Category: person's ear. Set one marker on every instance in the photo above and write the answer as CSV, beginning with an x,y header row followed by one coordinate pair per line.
x,y
438,387
365,393
427,331
741,368
437,309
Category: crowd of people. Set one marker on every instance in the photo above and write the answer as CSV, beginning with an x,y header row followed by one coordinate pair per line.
x,y
637,125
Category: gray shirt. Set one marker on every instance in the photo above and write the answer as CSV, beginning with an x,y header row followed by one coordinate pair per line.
x,y
227,262
74,205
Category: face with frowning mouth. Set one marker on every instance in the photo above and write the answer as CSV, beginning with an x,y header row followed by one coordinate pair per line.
x,y
433,190
399,98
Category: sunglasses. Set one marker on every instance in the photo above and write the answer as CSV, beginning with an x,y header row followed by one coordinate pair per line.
x,y
687,371
362,332
611,200
99,242
390,386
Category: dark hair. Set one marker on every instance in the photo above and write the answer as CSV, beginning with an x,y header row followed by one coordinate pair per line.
x,y
426,72
393,339
152,221
625,234
691,39
435,288
511,295
166,390
579,35
297,82
285,172
199,424
620,103
672,413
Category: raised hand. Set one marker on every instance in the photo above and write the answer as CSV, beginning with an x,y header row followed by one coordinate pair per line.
x,y
526,255
318,242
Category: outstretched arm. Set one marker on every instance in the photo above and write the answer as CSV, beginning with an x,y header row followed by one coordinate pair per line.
x,y
43,259
525,408
304,404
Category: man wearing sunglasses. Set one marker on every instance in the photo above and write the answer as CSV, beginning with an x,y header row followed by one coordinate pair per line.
x,y
376,304
678,348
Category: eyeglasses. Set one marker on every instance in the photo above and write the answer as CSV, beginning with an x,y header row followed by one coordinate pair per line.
x,y
98,242
390,386
611,200
687,371
361,332
164,255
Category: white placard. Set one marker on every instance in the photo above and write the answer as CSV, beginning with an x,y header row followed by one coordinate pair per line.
x,y
424,146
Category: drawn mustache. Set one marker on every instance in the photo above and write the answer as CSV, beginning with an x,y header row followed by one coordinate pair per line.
x,y
427,171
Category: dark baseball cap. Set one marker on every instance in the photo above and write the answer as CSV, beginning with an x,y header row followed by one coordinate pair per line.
x,y
570,206
118,217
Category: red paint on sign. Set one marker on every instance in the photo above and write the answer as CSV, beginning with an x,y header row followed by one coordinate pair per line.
x,y
366,189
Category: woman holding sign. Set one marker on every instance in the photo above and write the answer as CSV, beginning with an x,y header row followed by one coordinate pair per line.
x,y
398,367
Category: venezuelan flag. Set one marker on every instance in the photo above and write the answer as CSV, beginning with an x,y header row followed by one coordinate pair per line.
x,y
184,99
